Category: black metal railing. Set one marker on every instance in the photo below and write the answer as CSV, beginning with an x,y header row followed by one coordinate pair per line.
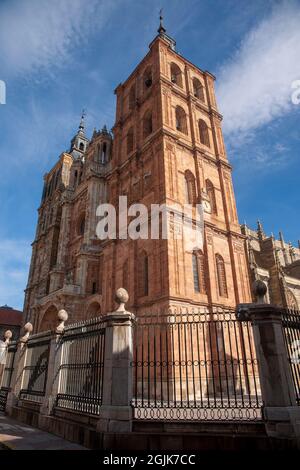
x,y
36,367
7,374
291,327
80,373
195,365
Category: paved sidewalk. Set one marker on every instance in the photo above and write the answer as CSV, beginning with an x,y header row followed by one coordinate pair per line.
x,y
18,436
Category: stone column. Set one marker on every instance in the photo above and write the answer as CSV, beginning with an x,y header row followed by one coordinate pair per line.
x,y
280,411
116,411
17,375
53,366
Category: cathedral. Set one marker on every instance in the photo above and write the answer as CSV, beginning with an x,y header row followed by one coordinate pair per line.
x,y
276,263
166,147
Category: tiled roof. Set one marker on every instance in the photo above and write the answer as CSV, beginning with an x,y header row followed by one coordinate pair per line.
x,y
9,316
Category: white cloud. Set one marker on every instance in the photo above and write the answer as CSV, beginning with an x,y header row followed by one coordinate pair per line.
x,y
14,265
255,85
39,34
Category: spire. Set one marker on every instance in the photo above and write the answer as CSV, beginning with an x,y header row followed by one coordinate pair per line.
x,y
81,125
80,141
161,30
292,252
260,230
281,238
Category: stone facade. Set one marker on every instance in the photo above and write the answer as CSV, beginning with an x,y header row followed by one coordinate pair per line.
x,y
275,262
166,147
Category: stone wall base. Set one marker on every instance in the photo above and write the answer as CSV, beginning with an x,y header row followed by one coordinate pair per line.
x,y
155,435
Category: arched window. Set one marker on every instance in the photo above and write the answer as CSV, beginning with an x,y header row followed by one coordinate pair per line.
x,y
210,190
81,225
198,261
49,319
198,89
129,140
203,133
131,97
221,275
176,74
181,122
147,78
147,124
143,274
81,146
190,187
103,153
98,153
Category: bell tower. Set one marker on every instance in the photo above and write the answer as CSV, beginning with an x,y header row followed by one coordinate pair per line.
x,y
169,148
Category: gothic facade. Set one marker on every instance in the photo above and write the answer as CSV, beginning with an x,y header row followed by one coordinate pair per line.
x,y
276,263
166,147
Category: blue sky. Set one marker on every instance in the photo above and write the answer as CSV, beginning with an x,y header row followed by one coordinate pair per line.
x,y
59,56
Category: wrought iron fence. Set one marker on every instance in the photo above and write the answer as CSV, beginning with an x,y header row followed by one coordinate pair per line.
x,y
7,374
291,327
80,373
36,367
195,365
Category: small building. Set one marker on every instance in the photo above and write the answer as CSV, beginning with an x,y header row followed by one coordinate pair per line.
x,y
10,319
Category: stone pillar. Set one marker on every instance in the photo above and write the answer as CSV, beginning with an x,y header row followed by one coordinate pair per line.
x,y
17,375
280,411
53,366
116,411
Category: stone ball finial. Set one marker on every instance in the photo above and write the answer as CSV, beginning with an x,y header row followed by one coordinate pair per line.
x,y
28,329
7,336
260,290
62,315
121,297
62,318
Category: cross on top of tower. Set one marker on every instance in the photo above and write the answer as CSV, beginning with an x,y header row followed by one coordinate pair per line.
x,y
161,30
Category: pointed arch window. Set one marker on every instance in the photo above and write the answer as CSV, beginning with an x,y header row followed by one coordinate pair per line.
x,y
221,275
181,121
190,187
147,124
198,261
198,89
203,133
210,190
176,75
143,274
129,141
